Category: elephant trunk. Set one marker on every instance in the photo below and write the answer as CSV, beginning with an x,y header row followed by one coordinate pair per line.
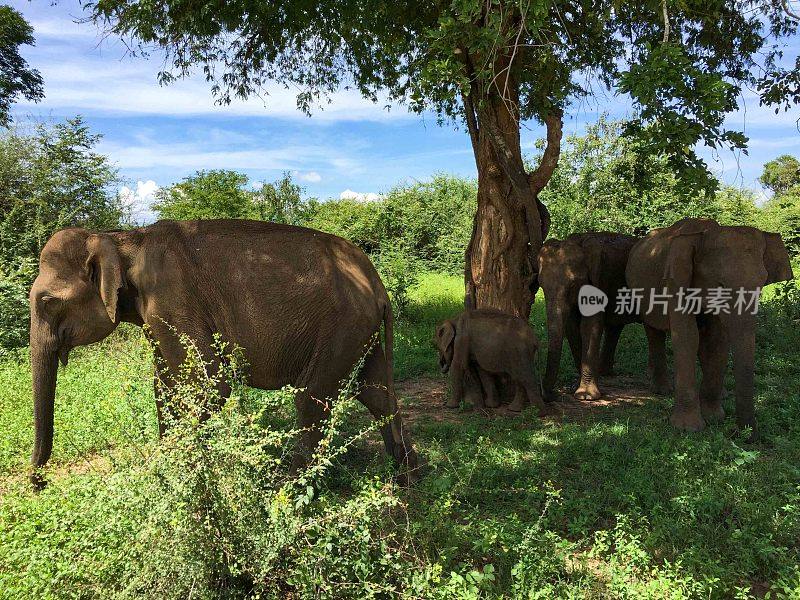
x,y
44,367
555,339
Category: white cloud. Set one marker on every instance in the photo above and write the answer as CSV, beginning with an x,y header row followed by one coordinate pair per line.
x,y
139,202
349,194
186,156
86,76
310,176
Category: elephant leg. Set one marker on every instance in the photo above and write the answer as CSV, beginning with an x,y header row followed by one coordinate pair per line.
x,y
319,385
161,383
742,335
557,316
489,388
475,391
518,403
713,362
528,383
657,361
686,413
169,356
313,405
573,330
610,341
591,336
375,395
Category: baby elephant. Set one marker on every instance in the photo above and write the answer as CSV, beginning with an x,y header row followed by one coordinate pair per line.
x,y
489,343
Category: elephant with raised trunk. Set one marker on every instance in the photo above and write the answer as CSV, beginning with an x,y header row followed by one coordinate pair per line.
x,y
304,307
700,259
565,266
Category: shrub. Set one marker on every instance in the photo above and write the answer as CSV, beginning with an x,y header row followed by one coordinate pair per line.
x,y
14,309
787,298
213,510
50,178
432,220
399,271
216,194
353,220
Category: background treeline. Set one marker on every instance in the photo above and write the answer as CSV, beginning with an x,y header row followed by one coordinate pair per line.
x,y
51,176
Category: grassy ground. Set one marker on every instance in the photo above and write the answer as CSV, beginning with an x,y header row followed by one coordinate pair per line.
x,y
604,501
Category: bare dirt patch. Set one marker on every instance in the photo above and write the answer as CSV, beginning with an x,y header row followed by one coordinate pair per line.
x,y
423,399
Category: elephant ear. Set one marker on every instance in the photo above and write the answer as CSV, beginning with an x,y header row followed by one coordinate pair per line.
x,y
685,245
596,257
104,266
776,259
446,334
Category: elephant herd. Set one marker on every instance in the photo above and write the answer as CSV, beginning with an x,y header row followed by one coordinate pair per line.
x,y
305,307
697,281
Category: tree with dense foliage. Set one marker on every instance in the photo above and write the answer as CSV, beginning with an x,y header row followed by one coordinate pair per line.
x,y
493,66
216,194
782,211
224,194
280,201
50,178
607,181
16,77
781,174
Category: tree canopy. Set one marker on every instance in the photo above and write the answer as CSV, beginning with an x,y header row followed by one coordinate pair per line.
x,y
781,174
683,64
51,177
16,77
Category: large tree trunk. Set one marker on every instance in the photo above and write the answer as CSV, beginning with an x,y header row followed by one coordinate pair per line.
x,y
510,224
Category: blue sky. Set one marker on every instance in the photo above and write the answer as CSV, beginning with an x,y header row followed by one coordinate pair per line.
x,y
158,135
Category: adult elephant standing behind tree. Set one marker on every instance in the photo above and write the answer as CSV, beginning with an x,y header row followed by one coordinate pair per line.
x,y
685,272
303,305
593,258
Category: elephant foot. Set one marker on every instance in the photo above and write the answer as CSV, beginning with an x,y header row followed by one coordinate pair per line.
x,y
410,469
712,411
451,404
493,403
550,396
548,411
587,392
687,420
38,481
516,406
661,387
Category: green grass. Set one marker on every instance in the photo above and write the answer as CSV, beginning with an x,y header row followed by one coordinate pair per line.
x,y
608,503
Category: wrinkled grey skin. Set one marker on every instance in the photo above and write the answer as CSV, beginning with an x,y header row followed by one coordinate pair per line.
x,y
490,344
303,305
593,258
699,253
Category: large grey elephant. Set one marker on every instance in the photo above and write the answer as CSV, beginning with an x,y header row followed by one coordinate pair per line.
x,y
565,266
303,305
698,258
